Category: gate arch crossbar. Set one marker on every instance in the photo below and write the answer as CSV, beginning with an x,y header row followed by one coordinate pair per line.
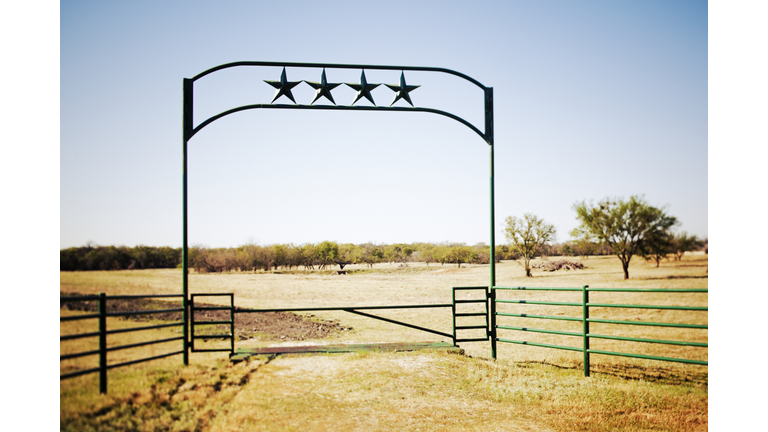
x,y
189,130
336,107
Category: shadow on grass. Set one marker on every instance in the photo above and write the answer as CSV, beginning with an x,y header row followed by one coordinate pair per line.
x,y
634,373
673,277
170,398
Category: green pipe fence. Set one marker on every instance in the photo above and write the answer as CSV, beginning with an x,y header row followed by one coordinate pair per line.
x,y
103,332
585,319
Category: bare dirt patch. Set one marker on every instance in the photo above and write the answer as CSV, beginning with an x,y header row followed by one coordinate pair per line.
x,y
276,326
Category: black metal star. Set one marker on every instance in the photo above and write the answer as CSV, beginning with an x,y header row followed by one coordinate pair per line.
x,y
401,91
363,89
323,89
283,87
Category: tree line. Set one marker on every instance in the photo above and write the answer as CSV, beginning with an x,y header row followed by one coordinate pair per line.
x,y
326,254
252,257
319,256
91,257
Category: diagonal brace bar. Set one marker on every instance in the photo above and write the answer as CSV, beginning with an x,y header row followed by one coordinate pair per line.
x,y
399,323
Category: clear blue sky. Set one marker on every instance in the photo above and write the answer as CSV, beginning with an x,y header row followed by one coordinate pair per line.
x,y
593,99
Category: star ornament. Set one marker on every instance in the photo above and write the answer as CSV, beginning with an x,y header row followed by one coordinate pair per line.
x,y
283,87
402,90
363,89
323,89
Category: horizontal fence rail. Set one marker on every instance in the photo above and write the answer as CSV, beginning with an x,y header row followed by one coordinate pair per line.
x,y
102,334
585,319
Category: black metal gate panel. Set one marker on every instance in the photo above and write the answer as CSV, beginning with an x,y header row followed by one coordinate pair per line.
x,y
206,336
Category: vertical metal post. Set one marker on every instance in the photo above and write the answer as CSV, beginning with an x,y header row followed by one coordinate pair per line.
x,y
187,126
585,327
232,323
488,302
453,313
491,293
192,322
102,343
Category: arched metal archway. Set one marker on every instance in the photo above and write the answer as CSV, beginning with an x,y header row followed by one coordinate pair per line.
x,y
324,89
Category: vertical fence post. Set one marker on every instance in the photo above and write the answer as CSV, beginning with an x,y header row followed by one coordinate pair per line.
x,y
585,327
232,323
492,325
191,323
187,128
453,313
102,343
489,140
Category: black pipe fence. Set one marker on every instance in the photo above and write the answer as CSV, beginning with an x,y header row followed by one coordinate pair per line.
x,y
356,310
195,323
102,334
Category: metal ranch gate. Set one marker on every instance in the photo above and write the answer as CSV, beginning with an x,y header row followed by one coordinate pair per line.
x,y
480,320
323,89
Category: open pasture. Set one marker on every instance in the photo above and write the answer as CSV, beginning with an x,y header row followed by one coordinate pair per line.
x,y
527,388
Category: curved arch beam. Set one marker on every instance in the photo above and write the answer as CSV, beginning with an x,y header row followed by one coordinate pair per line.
x,y
338,66
337,107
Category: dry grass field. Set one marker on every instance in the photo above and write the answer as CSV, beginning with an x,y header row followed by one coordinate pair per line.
x,y
526,388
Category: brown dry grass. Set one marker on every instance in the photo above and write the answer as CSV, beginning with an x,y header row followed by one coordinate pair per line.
x,y
528,388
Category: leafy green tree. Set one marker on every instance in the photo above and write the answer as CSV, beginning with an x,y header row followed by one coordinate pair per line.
x,y
246,257
348,254
585,248
628,227
567,249
427,253
406,251
370,254
391,253
292,256
683,243
281,253
526,236
308,256
327,253
504,252
441,253
398,252
460,254
659,247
